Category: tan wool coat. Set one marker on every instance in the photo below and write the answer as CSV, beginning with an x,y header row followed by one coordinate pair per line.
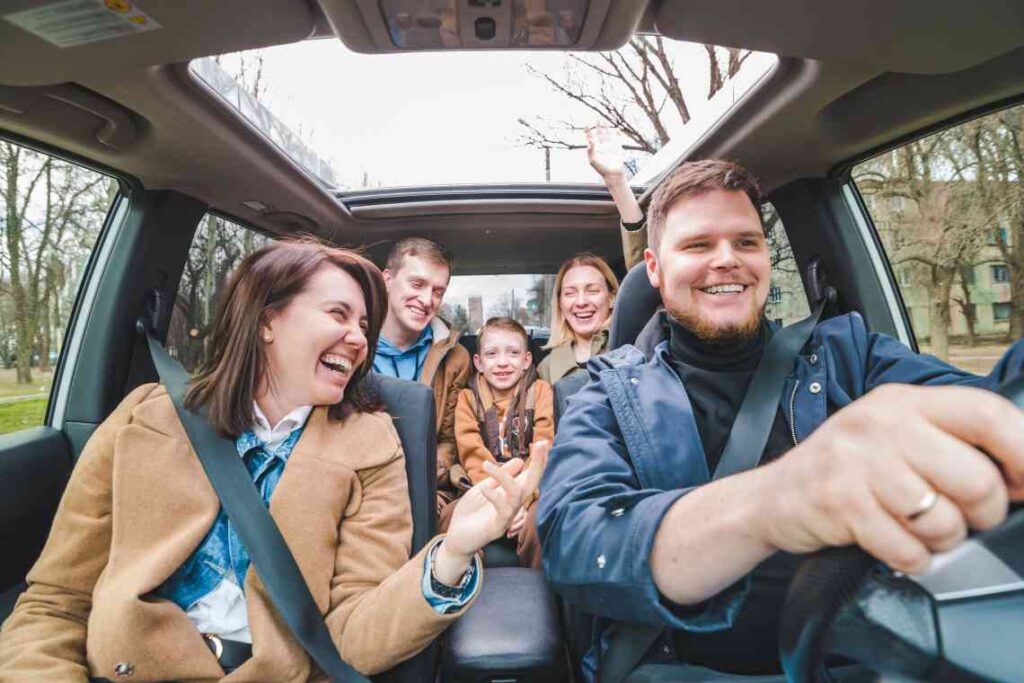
x,y
139,504
445,370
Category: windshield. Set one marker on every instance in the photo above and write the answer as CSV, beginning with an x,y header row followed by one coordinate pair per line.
x,y
359,121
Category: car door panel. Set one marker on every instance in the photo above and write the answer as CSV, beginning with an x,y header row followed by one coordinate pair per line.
x,y
34,468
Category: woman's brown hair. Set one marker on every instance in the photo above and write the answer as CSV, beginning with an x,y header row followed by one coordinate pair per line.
x,y
265,282
561,332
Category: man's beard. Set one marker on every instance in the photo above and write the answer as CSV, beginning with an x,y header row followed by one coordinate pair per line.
x,y
719,335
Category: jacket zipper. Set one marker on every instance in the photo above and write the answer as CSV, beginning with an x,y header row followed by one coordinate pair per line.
x,y
792,413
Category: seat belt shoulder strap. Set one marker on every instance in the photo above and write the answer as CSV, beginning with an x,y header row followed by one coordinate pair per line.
x,y
273,561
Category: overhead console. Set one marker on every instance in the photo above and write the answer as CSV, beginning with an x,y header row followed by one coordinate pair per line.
x,y
416,25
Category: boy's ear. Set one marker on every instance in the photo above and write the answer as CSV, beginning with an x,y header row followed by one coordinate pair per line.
x,y
476,362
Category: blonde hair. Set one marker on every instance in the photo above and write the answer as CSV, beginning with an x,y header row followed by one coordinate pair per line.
x,y
561,332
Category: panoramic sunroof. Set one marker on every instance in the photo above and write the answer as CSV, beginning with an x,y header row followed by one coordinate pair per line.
x,y
357,121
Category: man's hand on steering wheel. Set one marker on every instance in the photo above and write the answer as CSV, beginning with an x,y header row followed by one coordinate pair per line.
x,y
902,472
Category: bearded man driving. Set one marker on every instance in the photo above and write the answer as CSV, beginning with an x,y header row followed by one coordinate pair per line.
x,y
871,444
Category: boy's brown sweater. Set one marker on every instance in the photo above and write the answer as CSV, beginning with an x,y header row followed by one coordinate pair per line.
x,y
473,451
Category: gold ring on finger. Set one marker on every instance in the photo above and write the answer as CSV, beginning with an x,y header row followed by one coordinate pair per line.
x,y
927,502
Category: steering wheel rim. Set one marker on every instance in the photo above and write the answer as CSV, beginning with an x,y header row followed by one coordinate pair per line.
x,y
824,584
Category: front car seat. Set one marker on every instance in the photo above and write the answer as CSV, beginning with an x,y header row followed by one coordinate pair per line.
x,y
636,303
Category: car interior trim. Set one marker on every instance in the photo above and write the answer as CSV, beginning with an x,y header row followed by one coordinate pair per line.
x,y
76,327
878,262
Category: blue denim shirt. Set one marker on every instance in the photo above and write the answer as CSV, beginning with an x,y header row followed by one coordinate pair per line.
x,y
222,550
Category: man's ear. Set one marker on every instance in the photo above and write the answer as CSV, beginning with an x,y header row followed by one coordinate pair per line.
x,y
653,272
388,277
476,362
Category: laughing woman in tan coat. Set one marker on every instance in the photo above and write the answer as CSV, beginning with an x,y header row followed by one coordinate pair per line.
x,y
143,571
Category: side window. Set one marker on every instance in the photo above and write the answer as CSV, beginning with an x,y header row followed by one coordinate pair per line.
x,y
949,209
52,215
219,245
787,300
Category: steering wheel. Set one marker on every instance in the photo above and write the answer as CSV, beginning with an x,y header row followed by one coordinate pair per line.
x,y
961,621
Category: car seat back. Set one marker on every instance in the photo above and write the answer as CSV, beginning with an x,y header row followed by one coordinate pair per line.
x,y
637,301
411,406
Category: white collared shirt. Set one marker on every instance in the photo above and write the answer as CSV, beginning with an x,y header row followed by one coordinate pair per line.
x,y
222,611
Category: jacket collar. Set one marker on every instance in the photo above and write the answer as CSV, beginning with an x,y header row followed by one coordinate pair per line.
x,y
563,359
445,339
441,330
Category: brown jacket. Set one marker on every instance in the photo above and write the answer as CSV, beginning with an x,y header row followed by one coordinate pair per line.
x,y
138,505
473,451
446,371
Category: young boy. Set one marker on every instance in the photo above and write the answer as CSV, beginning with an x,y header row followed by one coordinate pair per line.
x,y
504,410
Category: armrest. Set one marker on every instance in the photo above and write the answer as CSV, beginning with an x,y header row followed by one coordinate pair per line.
x,y
510,633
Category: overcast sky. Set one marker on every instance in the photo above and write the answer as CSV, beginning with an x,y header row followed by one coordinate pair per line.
x,y
428,118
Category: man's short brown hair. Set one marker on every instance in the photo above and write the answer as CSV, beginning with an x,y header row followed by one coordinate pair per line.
x,y
417,246
695,178
508,325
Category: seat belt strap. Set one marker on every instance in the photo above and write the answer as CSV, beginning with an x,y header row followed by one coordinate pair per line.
x,y
747,440
270,555
753,424
629,645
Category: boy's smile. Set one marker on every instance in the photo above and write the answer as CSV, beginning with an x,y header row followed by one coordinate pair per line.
x,y
502,359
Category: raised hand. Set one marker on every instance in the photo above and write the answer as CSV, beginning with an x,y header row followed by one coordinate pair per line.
x,y
604,151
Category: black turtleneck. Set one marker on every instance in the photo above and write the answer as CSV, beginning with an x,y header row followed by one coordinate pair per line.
x,y
716,377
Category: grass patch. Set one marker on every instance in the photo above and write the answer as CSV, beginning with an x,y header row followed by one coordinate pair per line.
x,y
40,385
20,415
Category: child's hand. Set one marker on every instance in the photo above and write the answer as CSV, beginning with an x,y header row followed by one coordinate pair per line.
x,y
488,509
535,464
517,524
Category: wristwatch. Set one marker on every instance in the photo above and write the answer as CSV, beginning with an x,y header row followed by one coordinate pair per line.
x,y
442,589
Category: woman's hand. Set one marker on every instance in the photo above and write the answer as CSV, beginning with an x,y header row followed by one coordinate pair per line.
x,y
487,510
604,151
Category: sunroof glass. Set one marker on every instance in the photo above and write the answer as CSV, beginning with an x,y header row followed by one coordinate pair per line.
x,y
357,121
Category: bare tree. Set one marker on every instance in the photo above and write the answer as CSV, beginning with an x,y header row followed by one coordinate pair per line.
x,y
997,144
47,203
636,90
927,202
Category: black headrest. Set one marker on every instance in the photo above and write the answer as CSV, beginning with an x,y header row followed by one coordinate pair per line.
x,y
411,406
636,303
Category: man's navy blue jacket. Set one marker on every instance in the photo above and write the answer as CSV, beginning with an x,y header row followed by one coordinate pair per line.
x,y
627,448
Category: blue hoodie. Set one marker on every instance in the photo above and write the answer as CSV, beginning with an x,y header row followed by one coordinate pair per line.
x,y
404,364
